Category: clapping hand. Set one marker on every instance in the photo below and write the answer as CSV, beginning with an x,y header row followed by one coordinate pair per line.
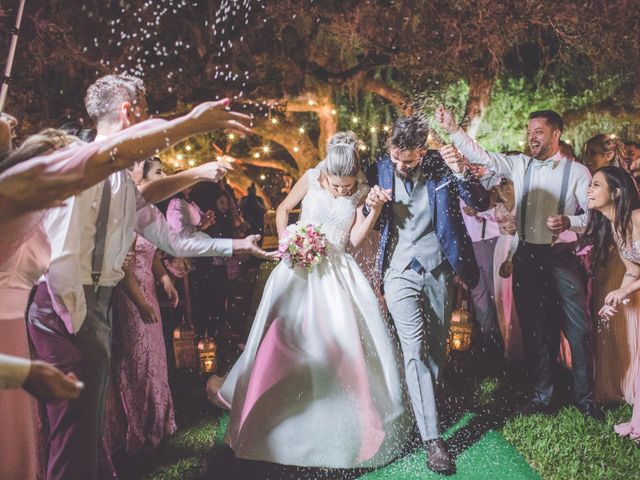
x,y
377,197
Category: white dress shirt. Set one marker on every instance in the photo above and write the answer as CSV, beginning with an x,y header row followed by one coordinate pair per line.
x,y
72,228
544,190
13,371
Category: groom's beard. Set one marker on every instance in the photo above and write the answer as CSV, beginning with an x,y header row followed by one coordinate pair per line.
x,y
406,174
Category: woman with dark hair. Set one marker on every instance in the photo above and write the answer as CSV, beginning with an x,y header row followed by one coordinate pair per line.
x,y
139,408
615,367
614,203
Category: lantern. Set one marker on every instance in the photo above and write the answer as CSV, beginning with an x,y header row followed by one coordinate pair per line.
x,y
207,352
184,339
461,328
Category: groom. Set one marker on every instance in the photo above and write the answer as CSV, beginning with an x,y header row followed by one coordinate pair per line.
x,y
423,243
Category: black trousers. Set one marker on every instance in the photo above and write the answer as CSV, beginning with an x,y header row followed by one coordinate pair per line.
x,y
549,291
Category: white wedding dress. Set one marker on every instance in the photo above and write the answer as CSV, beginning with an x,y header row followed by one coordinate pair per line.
x,y
320,382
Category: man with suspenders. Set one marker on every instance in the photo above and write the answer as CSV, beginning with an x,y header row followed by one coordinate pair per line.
x,y
548,285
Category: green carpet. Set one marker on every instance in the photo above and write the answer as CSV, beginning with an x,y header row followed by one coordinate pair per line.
x,y
489,458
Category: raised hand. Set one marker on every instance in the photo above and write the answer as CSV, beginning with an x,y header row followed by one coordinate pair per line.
x,y
453,158
48,384
208,219
211,171
214,116
445,119
377,197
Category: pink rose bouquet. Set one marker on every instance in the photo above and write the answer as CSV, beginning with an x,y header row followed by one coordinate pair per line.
x,y
303,246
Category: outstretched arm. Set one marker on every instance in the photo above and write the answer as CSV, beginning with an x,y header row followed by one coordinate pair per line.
x,y
496,162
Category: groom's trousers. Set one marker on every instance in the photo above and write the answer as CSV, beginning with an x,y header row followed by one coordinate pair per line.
x,y
75,426
420,305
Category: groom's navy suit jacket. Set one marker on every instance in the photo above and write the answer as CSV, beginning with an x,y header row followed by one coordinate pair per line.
x,y
444,190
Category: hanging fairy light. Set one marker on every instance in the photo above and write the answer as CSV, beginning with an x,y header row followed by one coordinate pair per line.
x,y
180,157
333,111
372,129
354,120
296,149
192,163
274,120
301,129
231,136
256,155
188,148
386,128
263,177
266,149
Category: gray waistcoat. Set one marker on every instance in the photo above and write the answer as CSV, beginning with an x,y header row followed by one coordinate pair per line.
x,y
412,233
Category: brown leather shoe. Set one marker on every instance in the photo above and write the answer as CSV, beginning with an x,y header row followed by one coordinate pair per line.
x,y
438,458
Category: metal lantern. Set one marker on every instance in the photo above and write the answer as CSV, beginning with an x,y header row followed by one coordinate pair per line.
x,y
184,339
461,328
207,352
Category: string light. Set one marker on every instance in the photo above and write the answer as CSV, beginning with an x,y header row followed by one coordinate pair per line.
x,y
311,103
266,149
188,148
362,148
372,129
263,177
301,129
256,155
613,136
231,136
568,141
296,149
176,164
333,111
386,128
354,119
521,143
192,163
274,121
180,157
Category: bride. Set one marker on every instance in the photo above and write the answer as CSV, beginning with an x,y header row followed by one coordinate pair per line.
x,y
319,383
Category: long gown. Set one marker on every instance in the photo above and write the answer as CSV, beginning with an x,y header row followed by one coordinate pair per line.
x,y
320,381
505,306
617,359
632,378
140,404
18,452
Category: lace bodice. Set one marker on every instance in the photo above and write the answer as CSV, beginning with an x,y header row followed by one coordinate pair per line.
x,y
335,215
630,251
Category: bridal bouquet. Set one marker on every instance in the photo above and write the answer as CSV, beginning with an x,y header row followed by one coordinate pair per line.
x,y
303,246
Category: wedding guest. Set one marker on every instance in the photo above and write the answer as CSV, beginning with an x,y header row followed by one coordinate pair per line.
x,y
185,216
566,149
633,158
482,227
253,210
615,364
90,234
26,254
139,361
614,204
548,282
7,133
506,245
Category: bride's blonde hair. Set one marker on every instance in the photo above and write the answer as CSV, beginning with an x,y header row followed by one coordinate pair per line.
x,y
342,158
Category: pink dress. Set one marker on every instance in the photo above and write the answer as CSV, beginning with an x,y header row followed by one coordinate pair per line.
x,y
18,453
141,406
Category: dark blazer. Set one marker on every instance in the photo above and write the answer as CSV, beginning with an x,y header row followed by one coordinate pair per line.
x,y
444,190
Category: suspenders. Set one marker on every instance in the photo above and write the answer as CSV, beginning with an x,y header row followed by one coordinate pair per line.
x,y
562,200
101,234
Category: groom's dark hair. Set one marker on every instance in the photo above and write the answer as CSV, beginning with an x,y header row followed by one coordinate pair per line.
x,y
409,133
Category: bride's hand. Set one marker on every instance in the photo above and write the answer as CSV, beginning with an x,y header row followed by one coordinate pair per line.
x,y
377,197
